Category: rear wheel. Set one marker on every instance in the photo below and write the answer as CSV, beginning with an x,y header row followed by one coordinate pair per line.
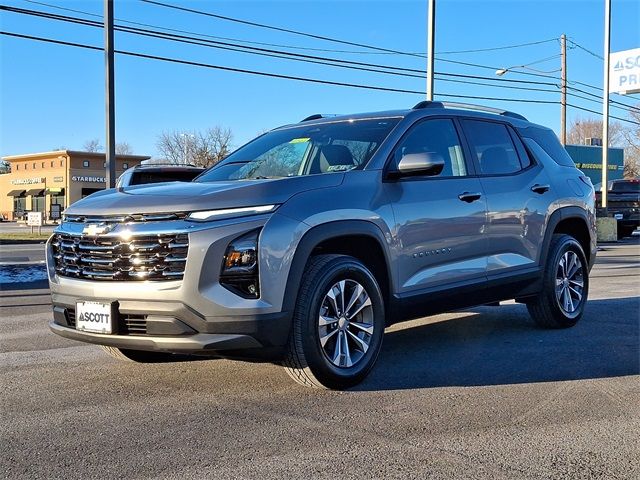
x,y
338,324
138,356
565,285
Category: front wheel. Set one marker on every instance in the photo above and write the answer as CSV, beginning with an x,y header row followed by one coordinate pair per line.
x,y
565,285
338,324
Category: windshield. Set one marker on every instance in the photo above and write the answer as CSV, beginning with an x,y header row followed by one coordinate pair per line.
x,y
305,150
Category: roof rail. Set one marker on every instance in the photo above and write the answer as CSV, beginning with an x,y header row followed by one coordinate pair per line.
x,y
468,106
318,116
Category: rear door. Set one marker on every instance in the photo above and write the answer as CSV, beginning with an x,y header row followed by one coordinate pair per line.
x,y
518,195
439,220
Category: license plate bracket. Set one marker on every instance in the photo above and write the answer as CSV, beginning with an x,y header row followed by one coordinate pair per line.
x,y
96,316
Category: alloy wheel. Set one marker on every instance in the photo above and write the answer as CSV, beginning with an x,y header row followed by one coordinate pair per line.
x,y
570,283
345,323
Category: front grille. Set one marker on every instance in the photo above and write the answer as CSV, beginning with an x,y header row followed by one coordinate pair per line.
x,y
149,257
133,324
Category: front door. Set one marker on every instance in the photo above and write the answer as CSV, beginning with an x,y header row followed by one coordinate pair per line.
x,y
439,220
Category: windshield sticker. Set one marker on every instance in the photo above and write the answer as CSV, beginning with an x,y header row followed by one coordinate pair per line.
x,y
300,140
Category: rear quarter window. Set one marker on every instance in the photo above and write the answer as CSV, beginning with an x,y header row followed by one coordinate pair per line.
x,y
549,143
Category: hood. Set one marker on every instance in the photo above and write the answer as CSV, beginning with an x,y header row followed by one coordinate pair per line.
x,y
192,196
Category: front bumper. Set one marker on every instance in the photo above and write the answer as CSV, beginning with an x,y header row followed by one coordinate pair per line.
x,y
194,315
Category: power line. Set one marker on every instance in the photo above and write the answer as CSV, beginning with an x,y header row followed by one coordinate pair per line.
x,y
575,44
279,29
275,53
598,99
297,47
309,58
266,74
600,113
251,42
505,47
456,62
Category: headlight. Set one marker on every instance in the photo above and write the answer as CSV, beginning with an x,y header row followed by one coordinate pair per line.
x,y
239,272
207,215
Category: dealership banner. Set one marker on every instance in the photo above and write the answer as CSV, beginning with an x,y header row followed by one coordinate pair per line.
x,y
624,72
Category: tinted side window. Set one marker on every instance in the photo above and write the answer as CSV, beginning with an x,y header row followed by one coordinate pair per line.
x,y
492,145
549,143
437,136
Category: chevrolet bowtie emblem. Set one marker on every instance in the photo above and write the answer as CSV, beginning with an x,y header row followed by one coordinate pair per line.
x,y
95,229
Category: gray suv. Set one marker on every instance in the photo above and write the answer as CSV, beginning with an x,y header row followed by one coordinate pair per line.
x,y
305,243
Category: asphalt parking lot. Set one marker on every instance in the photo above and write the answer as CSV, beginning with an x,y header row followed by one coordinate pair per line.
x,y
480,393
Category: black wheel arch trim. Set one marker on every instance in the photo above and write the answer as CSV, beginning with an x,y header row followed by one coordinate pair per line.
x,y
564,213
327,231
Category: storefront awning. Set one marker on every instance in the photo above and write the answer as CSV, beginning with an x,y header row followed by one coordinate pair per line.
x,y
36,192
16,193
55,191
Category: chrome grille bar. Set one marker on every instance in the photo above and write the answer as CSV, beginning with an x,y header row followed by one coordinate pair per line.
x,y
145,257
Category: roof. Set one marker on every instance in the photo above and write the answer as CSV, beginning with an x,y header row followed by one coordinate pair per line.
x,y
421,109
70,153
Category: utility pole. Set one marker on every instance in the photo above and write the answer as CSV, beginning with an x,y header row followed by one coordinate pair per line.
x,y
431,36
109,95
563,88
605,103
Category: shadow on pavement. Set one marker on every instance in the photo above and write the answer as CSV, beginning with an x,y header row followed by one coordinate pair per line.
x,y
501,345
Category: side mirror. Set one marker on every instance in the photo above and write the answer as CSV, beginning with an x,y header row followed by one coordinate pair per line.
x,y
426,163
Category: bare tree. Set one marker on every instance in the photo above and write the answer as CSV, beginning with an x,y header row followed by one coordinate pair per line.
x,y
205,148
123,148
582,128
92,145
632,148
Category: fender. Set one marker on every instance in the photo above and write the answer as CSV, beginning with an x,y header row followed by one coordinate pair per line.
x,y
564,213
319,234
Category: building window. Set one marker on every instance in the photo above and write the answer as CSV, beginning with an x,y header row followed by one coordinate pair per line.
x,y
17,166
62,163
104,164
42,165
34,165
125,166
85,163
51,163
26,166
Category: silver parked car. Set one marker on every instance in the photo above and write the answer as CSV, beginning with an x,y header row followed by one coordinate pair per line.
x,y
304,244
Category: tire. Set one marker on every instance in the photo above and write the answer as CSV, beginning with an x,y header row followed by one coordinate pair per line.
x,y
138,356
342,361
551,308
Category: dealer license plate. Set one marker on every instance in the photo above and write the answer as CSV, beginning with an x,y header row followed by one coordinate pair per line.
x,y
95,317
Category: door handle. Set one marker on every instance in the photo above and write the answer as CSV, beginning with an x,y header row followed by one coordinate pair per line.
x,y
537,188
469,197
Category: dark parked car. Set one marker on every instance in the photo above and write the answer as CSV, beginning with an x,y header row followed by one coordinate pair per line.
x,y
154,173
305,244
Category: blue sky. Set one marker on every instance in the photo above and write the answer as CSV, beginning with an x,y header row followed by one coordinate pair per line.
x,y
53,96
